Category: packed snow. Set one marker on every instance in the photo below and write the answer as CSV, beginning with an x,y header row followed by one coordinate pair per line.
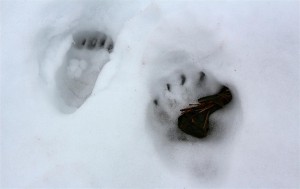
x,y
119,129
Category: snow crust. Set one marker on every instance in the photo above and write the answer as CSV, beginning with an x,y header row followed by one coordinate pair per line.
x,y
115,139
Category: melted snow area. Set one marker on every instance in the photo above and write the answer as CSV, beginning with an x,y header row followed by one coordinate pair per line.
x,y
91,92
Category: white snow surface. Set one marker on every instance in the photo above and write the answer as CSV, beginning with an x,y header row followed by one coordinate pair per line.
x,y
112,140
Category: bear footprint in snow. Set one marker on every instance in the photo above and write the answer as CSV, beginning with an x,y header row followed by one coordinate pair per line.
x,y
83,62
188,101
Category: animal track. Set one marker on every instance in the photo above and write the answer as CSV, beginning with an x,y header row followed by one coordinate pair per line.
x,y
177,91
176,137
76,77
185,64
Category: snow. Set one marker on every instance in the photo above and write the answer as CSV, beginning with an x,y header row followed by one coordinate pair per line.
x,y
114,139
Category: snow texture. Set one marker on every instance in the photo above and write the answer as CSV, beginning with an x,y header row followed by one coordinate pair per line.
x,y
119,130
